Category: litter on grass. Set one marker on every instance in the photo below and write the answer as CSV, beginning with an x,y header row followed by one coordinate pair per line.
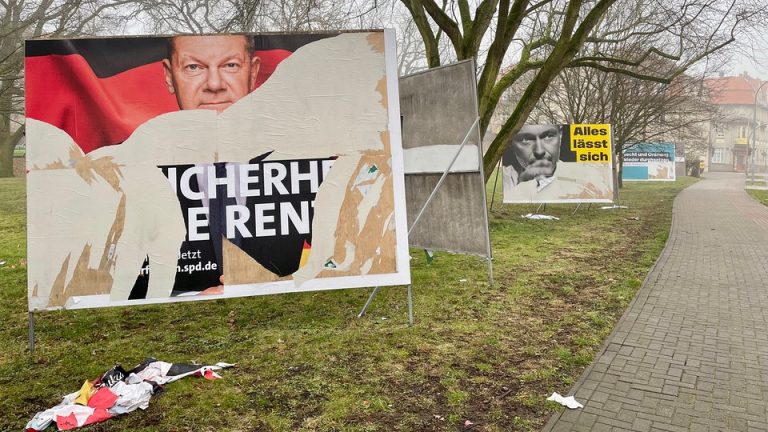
x,y
569,401
613,207
430,256
117,392
534,216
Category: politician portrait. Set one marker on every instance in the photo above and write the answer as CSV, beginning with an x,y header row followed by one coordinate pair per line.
x,y
209,165
540,165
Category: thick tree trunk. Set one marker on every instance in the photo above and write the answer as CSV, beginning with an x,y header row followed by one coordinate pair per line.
x,y
6,157
619,148
528,101
8,142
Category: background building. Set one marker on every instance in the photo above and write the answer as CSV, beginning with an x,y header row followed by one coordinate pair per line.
x,y
730,134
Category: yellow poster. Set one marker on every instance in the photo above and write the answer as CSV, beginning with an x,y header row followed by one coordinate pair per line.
x,y
591,142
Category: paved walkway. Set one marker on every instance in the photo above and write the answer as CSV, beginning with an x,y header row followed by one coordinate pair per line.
x,y
691,351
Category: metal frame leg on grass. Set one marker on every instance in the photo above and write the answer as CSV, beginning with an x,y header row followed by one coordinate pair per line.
x,y
410,305
376,290
576,209
487,223
495,181
421,212
368,302
31,332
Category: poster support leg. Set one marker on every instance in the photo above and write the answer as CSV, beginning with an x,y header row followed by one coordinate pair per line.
x,y
31,332
488,251
368,302
410,305
495,182
576,209
424,208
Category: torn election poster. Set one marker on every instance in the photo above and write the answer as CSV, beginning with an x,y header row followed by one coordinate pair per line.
x,y
117,392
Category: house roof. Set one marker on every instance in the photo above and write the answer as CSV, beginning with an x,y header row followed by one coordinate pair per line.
x,y
736,90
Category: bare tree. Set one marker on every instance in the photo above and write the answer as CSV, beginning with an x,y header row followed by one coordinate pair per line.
x,y
221,16
410,50
22,19
639,110
553,35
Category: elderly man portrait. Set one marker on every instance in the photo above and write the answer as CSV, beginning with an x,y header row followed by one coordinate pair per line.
x,y
206,72
210,72
539,166
533,153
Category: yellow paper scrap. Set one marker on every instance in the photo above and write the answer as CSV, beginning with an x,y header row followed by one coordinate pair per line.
x,y
86,391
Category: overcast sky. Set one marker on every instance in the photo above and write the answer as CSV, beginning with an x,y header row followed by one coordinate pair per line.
x,y
751,56
743,63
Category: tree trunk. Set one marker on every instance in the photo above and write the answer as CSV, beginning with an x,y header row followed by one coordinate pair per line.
x,y
620,165
6,157
8,143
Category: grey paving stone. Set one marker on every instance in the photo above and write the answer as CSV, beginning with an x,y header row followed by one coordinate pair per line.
x,y
691,351
641,425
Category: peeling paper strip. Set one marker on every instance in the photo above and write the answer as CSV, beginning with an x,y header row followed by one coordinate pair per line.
x,y
434,159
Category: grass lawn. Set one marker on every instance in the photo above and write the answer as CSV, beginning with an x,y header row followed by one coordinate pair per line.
x,y
758,195
485,354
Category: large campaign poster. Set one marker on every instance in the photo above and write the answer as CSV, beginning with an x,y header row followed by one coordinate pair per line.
x,y
568,163
649,162
164,169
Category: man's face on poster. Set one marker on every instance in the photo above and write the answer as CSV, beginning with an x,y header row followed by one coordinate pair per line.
x,y
536,149
210,72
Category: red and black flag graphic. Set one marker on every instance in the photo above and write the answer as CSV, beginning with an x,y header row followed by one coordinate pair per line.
x,y
100,90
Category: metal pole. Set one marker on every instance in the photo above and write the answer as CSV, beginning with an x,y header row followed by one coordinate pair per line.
x,y
754,131
416,221
710,150
617,160
368,303
410,305
31,332
421,212
445,174
576,209
488,252
495,182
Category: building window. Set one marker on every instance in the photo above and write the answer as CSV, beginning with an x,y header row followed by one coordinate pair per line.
x,y
719,131
742,131
718,156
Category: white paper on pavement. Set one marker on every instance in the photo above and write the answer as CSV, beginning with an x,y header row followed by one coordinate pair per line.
x,y
569,401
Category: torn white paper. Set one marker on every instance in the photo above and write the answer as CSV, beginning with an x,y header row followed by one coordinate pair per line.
x,y
569,401
534,216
